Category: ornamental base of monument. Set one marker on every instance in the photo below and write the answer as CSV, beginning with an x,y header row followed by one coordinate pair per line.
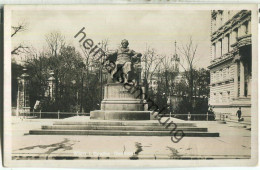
x,y
120,103
120,115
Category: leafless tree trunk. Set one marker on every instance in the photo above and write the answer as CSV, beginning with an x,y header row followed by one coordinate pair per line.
x,y
188,54
152,62
169,72
56,41
90,61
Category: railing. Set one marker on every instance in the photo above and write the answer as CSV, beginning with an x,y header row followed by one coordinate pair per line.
x,y
189,117
223,116
62,115
229,116
50,115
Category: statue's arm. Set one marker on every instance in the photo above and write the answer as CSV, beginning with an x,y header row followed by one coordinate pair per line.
x,y
136,56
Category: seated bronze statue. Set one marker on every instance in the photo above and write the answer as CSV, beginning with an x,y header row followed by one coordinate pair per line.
x,y
124,59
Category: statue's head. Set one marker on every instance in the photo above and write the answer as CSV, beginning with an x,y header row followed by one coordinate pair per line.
x,y
124,43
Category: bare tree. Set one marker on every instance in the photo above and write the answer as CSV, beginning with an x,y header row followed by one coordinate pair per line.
x,y
151,65
91,63
168,74
91,60
55,41
19,28
188,56
20,49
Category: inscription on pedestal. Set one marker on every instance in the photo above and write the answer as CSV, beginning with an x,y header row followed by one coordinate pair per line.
x,y
123,91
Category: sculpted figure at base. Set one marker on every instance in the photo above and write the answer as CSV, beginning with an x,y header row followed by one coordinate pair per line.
x,y
124,59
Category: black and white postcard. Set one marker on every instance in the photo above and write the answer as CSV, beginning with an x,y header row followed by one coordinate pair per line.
x,y
130,85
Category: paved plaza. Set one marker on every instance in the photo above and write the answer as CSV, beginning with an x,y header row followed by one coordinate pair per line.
x,y
234,142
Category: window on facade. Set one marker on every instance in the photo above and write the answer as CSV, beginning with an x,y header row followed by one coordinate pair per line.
x,y
228,42
214,24
228,73
236,34
224,97
213,52
220,97
224,74
246,28
225,44
228,13
218,49
225,16
220,18
221,75
228,96
249,27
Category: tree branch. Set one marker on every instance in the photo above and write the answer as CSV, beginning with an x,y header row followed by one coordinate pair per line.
x,y
20,28
20,49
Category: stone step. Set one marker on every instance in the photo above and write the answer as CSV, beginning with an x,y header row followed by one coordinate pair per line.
x,y
120,133
125,123
125,128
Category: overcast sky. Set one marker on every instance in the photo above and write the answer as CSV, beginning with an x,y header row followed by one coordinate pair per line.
x,y
157,29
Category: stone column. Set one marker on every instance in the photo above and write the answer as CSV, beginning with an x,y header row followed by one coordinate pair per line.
x,y
235,80
242,79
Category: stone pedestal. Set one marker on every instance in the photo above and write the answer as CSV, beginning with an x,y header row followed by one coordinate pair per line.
x,y
119,103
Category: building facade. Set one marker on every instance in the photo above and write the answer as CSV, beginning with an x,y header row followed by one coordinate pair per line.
x,y
231,62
